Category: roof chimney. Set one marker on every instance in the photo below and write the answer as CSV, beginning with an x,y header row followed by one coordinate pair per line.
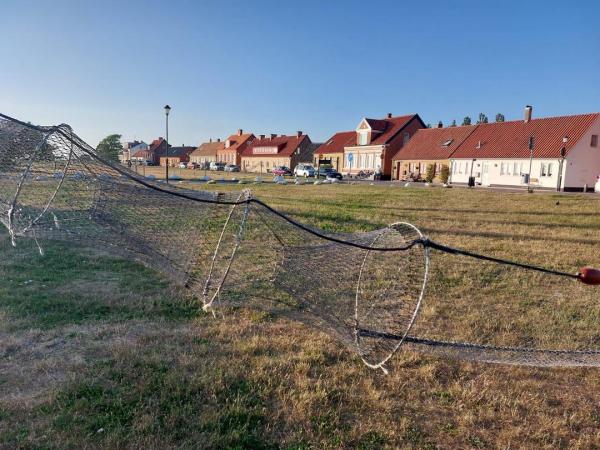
x,y
298,133
210,140
389,116
440,124
528,111
262,136
240,131
219,140
273,135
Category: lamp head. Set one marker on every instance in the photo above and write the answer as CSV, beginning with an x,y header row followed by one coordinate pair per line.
x,y
167,109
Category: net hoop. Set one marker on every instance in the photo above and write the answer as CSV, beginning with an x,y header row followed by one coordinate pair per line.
x,y
357,331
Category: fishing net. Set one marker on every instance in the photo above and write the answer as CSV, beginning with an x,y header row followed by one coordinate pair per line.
x,y
376,292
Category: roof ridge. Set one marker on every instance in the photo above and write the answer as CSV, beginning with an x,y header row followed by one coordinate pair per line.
x,y
537,119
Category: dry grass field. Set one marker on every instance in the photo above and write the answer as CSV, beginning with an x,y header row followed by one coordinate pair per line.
x,y
98,352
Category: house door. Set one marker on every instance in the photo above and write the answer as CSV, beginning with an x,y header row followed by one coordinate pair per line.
x,y
485,174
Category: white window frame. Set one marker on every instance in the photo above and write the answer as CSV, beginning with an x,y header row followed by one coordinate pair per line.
x,y
363,137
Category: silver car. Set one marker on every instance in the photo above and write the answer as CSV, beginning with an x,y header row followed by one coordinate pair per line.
x,y
304,170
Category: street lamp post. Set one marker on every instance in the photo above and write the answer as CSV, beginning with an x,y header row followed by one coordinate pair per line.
x,y
563,152
167,111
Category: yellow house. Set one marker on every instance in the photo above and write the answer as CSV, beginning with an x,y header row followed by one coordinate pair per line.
x,y
333,149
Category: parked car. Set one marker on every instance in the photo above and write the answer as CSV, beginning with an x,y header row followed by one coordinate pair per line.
x,y
330,173
232,168
193,165
304,170
281,170
217,166
182,165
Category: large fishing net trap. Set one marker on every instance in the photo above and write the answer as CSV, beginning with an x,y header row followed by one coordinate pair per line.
x,y
376,292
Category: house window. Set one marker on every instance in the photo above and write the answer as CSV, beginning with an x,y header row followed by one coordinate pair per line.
x,y
543,170
502,169
363,137
508,168
405,138
516,169
594,141
550,169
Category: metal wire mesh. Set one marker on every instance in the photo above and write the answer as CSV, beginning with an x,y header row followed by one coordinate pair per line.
x,y
374,291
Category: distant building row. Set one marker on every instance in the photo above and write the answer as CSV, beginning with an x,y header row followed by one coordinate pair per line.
x,y
560,153
555,152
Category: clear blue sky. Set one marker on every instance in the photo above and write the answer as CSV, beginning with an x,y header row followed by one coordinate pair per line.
x,y
281,66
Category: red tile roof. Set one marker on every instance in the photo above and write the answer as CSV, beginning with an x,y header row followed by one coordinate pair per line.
x,y
389,127
286,145
238,141
337,142
511,139
428,143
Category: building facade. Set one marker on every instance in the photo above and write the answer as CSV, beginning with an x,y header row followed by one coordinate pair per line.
x,y
206,152
176,155
376,141
428,147
234,146
333,149
265,153
130,149
561,153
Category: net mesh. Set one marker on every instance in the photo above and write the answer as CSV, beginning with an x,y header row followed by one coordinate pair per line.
x,y
375,292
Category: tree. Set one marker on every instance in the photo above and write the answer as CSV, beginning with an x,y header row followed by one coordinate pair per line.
x,y
430,174
444,174
499,117
453,124
110,147
467,121
482,118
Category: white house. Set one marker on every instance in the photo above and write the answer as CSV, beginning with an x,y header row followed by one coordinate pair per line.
x,y
130,148
561,153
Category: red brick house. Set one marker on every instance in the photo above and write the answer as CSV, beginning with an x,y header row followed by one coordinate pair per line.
x,y
265,153
234,146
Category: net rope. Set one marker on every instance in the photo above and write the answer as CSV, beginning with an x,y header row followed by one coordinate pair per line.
x,y
376,291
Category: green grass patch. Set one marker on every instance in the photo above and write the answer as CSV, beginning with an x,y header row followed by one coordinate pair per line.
x,y
67,286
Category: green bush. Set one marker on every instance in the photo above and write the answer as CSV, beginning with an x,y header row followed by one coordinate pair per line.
x,y
430,174
444,174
